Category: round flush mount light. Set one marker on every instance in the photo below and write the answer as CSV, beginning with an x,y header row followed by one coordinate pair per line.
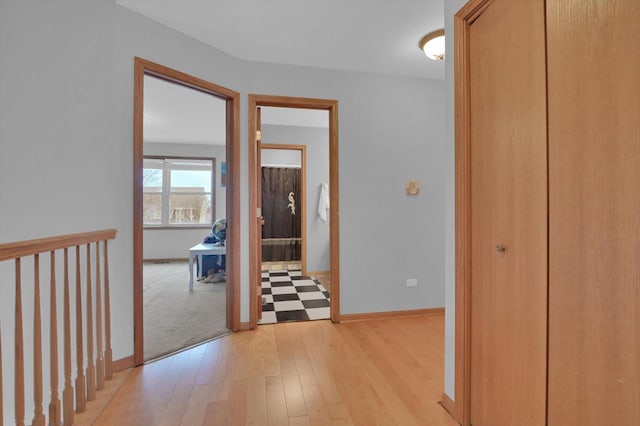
x,y
433,45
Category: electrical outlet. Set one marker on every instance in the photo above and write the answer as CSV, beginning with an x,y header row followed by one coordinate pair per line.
x,y
412,282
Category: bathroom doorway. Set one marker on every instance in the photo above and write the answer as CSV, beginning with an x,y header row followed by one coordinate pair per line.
x,y
289,293
293,250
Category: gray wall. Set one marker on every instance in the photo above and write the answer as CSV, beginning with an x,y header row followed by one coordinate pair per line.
x,y
382,144
66,107
316,140
174,243
61,169
280,157
391,130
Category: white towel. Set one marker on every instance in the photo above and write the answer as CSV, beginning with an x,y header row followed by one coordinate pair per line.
x,y
323,202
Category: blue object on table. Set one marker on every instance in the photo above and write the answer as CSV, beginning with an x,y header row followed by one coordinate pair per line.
x,y
214,262
209,262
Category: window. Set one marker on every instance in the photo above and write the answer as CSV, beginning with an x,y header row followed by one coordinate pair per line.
x,y
178,191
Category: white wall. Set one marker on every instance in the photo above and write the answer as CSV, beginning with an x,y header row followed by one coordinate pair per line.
x,y
450,9
382,144
66,107
316,140
139,36
62,170
174,243
391,130
280,157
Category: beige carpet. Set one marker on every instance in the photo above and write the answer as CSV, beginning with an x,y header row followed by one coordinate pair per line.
x,y
174,317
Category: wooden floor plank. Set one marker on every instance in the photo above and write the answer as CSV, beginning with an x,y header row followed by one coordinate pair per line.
x,y
299,421
196,406
318,411
224,360
309,373
399,369
161,396
239,362
209,361
182,392
276,404
133,399
217,414
358,379
339,414
303,364
238,402
270,349
103,399
256,396
291,382
326,383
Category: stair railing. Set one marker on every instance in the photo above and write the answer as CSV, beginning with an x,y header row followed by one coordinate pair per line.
x,y
99,364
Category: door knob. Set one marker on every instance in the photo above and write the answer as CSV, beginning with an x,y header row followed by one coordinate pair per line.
x,y
261,220
500,248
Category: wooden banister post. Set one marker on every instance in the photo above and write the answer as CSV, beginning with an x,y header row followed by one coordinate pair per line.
x,y
81,397
99,355
54,404
18,381
60,401
91,369
38,415
108,356
67,393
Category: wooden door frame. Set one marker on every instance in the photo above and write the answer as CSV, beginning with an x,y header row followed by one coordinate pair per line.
x,y
331,106
462,23
232,99
303,195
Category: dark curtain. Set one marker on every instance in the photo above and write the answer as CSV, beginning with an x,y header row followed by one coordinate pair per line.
x,y
282,214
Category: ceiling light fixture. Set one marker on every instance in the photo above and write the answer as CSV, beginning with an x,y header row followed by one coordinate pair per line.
x,y
433,45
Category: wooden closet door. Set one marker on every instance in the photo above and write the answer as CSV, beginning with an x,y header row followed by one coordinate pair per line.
x,y
594,215
508,211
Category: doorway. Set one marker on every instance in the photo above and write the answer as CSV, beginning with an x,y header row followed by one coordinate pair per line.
x,y
289,292
182,186
283,196
260,109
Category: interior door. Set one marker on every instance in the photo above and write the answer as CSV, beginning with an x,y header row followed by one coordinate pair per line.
x,y
508,215
260,217
594,245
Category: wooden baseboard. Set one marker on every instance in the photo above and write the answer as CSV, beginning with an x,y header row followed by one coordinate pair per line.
x,y
318,272
167,260
244,326
450,406
392,314
122,364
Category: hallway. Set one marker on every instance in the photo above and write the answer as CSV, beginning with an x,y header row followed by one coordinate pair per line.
x,y
361,373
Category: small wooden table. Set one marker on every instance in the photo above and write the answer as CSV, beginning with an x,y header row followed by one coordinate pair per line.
x,y
199,250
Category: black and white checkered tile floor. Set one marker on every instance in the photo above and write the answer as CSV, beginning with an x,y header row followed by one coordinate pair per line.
x,y
289,296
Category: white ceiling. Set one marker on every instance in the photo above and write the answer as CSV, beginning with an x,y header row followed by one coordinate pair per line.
x,y
178,114
378,36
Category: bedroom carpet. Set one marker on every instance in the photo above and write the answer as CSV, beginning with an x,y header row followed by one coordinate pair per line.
x,y
289,296
174,317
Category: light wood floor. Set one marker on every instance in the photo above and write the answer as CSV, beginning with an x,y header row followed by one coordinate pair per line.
x,y
382,372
